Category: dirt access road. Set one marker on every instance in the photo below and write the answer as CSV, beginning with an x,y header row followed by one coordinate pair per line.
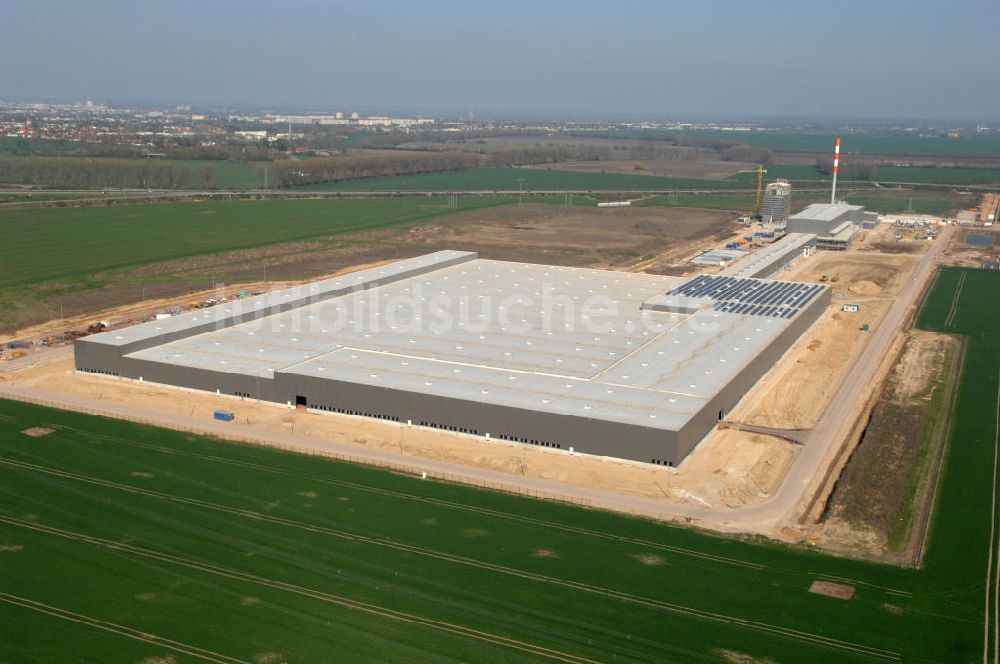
x,y
806,476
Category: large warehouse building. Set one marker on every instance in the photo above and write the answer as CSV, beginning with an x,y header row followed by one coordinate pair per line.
x,y
626,365
833,224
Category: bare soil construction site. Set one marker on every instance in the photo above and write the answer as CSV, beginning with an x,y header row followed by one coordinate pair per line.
x,y
730,468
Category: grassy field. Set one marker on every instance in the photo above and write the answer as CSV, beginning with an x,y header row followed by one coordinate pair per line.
x,y
910,174
890,202
506,179
36,197
782,171
122,542
887,202
868,143
918,174
54,243
962,301
160,533
720,201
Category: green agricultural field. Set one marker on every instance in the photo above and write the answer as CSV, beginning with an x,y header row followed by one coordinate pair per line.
x,y
963,301
781,171
715,201
920,174
886,202
889,204
535,179
909,174
40,244
867,143
243,551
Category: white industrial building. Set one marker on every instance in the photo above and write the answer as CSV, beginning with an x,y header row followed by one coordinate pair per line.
x,y
626,365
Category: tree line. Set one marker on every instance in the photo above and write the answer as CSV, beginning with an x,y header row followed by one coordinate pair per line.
x,y
84,173
853,169
290,173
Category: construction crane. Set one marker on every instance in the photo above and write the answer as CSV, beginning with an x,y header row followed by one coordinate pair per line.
x,y
761,171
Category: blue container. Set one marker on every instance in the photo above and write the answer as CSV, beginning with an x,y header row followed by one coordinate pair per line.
x,y
224,415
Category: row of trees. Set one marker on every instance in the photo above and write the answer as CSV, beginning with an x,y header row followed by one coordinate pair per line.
x,y
290,173
83,173
852,170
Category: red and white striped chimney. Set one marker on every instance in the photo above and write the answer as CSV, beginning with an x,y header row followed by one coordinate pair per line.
x,y
836,167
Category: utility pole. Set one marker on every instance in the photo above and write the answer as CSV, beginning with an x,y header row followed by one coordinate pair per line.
x,y
520,191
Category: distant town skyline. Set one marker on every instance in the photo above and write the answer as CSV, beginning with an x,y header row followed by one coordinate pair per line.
x,y
550,59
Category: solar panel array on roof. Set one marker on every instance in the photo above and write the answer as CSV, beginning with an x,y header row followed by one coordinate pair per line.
x,y
750,297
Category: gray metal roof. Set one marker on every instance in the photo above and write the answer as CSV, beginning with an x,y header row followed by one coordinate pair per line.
x,y
826,211
717,256
776,251
555,339
289,297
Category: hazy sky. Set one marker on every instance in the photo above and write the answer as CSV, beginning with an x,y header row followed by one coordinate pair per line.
x,y
612,58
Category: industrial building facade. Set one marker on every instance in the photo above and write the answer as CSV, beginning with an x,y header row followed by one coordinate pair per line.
x,y
625,365
833,224
777,203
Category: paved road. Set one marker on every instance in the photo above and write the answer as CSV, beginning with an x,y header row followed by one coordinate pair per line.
x,y
765,517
